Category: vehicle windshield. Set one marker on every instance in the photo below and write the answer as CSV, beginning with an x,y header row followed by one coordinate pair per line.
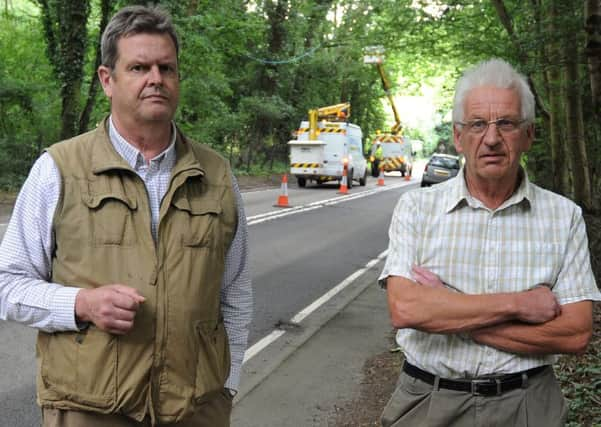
x,y
445,162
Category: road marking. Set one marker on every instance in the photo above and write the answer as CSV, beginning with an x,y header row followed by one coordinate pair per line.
x,y
301,315
268,216
261,344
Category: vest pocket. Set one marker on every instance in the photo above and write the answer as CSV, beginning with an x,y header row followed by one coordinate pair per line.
x,y
200,222
111,217
213,358
80,367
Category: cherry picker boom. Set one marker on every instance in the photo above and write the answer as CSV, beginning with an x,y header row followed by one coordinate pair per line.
x,y
396,149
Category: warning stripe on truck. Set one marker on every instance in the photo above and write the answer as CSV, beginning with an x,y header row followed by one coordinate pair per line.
x,y
322,130
388,138
390,163
305,165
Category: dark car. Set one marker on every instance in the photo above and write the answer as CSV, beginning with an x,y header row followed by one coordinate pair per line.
x,y
439,168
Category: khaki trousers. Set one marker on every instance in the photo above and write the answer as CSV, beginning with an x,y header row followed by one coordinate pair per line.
x,y
213,413
415,403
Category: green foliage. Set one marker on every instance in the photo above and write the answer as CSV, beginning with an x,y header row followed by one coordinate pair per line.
x,y
250,71
28,107
580,379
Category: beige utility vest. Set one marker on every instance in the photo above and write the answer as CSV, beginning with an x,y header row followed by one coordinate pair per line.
x,y
177,354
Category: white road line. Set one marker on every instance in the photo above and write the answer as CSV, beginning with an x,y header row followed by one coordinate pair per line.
x,y
261,344
301,315
268,216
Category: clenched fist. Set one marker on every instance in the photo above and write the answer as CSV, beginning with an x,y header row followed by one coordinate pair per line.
x,y
112,308
537,305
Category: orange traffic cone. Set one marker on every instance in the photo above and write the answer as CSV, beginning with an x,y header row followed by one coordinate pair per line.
x,y
381,176
343,182
283,197
408,174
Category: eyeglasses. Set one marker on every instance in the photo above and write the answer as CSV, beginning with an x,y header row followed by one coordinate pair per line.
x,y
480,126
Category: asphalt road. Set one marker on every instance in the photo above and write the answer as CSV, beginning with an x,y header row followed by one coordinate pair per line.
x,y
297,255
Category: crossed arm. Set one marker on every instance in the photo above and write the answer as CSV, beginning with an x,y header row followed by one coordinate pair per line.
x,y
529,322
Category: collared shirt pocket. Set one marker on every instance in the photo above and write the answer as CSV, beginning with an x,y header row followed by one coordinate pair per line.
x,y
543,263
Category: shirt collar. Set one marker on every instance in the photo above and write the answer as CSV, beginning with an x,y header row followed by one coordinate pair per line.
x,y
459,195
132,155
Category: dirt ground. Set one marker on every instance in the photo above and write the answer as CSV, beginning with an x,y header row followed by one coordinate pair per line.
x,y
246,182
381,372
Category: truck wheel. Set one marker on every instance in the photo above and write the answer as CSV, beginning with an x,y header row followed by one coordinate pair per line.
x,y
302,182
349,179
363,180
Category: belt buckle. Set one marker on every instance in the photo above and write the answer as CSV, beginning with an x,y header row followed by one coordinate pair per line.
x,y
475,385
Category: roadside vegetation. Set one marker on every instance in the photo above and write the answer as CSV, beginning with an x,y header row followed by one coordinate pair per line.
x,y
251,70
580,376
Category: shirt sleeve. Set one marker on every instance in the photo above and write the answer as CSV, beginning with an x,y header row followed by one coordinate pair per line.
x,y
575,281
403,240
236,294
26,295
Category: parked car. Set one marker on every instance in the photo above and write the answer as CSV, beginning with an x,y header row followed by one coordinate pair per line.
x,y
439,168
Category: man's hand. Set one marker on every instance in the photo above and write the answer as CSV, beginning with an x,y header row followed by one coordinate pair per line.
x,y
425,277
537,305
111,308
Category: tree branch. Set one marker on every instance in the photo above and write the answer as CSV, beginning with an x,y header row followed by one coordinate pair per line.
x,y
507,23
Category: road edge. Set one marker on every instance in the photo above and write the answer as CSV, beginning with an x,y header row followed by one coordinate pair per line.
x,y
258,369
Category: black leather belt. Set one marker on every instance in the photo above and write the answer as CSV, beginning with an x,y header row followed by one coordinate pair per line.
x,y
486,386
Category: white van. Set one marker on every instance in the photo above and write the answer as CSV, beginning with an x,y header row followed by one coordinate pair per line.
x,y
322,160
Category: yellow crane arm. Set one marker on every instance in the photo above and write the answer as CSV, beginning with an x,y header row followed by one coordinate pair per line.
x,y
386,85
338,112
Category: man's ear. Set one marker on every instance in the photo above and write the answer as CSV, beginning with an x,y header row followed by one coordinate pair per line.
x,y
104,75
457,139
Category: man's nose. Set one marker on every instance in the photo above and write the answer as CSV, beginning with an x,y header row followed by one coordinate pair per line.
x,y
154,75
491,135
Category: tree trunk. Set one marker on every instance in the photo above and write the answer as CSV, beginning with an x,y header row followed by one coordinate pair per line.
x,y
73,48
277,14
575,127
592,50
66,36
559,159
84,119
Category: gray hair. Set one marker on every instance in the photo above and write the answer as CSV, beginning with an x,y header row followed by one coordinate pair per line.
x,y
496,73
133,20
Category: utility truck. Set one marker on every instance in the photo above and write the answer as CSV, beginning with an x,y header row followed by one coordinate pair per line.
x,y
324,144
397,151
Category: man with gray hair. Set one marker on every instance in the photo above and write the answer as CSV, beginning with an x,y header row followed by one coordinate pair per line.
x,y
127,249
488,276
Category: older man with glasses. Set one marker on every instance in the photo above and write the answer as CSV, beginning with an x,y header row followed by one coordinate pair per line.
x,y
492,279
